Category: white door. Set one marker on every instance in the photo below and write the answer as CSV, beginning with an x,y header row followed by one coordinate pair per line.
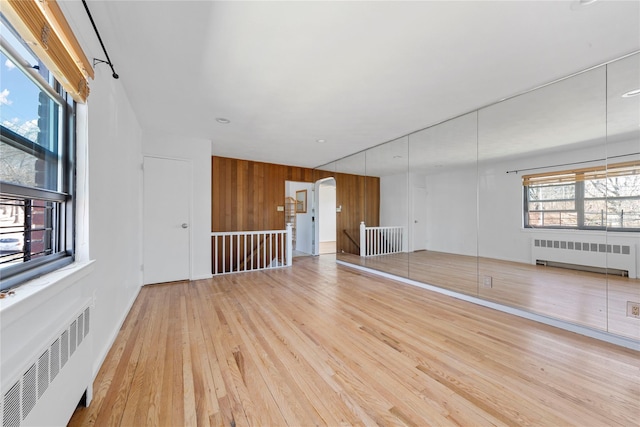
x,y
166,227
418,219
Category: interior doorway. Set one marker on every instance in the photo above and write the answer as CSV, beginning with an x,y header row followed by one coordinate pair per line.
x,y
298,212
325,217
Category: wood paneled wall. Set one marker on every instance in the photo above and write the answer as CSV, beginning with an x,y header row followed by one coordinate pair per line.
x,y
246,194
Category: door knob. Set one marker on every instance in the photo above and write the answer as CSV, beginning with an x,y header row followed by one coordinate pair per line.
x,y
185,225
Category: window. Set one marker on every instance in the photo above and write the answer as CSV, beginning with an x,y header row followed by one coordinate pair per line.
x,y
606,197
36,166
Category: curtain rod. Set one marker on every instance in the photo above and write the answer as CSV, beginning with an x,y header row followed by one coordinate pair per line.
x,y
571,164
98,61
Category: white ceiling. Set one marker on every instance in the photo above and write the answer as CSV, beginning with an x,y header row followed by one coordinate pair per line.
x,y
354,74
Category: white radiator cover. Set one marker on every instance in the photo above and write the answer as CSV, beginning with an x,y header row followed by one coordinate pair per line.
x,y
47,386
585,252
46,348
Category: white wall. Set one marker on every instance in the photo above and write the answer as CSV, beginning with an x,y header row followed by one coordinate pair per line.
x,y
114,208
327,213
452,211
394,202
303,220
198,153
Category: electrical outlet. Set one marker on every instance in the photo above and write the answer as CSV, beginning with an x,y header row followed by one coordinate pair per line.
x,y
633,309
487,282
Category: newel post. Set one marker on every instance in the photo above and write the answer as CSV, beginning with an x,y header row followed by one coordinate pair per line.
x,y
289,232
363,239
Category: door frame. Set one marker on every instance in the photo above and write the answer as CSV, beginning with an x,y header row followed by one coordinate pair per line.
x,y
316,213
189,163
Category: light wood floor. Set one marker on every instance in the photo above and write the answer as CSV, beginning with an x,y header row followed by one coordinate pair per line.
x,y
595,300
321,344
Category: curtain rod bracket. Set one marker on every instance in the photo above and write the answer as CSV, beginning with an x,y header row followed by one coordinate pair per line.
x,y
101,61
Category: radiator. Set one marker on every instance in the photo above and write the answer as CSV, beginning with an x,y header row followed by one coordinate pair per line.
x,y
586,254
54,379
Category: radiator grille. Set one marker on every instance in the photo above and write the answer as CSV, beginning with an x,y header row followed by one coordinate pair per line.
x,y
610,258
64,349
87,319
11,406
583,246
17,403
28,391
55,358
73,336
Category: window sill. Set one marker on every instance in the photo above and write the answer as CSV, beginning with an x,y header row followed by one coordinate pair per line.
x,y
31,294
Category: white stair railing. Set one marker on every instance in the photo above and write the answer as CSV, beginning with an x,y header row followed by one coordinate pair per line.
x,y
239,251
376,241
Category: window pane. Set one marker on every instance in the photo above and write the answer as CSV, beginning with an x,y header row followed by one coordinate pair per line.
x,y
595,213
623,186
623,213
11,232
552,192
595,188
29,118
553,219
17,166
26,229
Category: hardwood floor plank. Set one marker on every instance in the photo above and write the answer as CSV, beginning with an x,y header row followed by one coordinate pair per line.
x,y
321,344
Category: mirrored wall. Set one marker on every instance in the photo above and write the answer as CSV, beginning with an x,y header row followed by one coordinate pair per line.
x,y
532,202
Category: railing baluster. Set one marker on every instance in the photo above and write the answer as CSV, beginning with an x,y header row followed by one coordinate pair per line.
x,y
271,249
224,254
251,251
244,253
215,255
230,253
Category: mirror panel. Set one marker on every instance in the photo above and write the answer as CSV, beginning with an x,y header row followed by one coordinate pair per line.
x,y
443,205
352,196
559,127
387,244
623,194
486,208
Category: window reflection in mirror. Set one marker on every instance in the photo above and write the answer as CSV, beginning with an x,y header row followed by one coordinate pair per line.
x,y
536,136
622,205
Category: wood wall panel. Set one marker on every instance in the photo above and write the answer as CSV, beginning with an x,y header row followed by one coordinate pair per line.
x,y
246,194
